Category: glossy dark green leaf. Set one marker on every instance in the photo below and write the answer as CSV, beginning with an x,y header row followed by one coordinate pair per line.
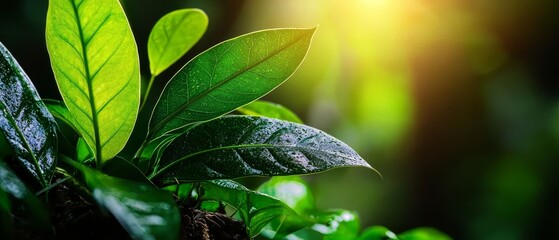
x,y
143,210
173,35
271,110
292,190
377,233
14,193
256,209
60,111
423,233
25,121
229,75
95,62
237,146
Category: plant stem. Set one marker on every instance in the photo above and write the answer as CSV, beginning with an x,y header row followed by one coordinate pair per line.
x,y
150,83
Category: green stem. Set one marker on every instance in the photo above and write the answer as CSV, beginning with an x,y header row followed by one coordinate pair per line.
x,y
150,83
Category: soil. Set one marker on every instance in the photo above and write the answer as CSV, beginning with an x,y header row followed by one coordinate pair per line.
x,y
75,217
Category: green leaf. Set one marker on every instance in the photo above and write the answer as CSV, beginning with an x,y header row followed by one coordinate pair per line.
x,y
423,233
238,146
256,209
377,233
271,110
143,210
173,35
333,225
60,111
14,194
121,168
25,121
83,152
95,63
292,190
227,76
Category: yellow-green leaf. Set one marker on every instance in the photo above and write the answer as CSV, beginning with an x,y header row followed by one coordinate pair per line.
x,y
95,62
173,35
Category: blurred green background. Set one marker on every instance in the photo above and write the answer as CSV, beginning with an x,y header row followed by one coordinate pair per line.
x,y
456,103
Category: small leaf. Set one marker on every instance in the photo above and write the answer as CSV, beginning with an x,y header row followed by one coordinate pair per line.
x,y
332,225
143,210
292,190
377,233
14,194
256,209
271,110
173,35
60,111
25,121
227,76
83,152
121,168
423,233
95,62
238,146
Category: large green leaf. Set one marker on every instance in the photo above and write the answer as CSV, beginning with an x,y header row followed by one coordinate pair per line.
x,y
229,75
237,146
173,35
95,62
143,210
271,110
256,209
25,121
15,195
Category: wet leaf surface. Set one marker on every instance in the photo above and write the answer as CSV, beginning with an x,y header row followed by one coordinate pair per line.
x,y
25,121
238,146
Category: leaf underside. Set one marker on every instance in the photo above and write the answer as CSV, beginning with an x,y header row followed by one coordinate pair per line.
x,y
25,121
227,76
238,146
95,62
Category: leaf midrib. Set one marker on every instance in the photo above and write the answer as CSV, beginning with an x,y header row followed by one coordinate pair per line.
x,y
228,79
91,97
242,146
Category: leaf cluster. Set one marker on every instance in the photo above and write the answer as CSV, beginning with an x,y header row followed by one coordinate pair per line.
x,y
193,146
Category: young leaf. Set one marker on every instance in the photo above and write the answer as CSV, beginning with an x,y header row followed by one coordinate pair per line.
x,y
423,234
377,233
25,122
292,190
95,63
332,225
60,111
143,210
173,35
271,110
256,209
238,146
227,76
